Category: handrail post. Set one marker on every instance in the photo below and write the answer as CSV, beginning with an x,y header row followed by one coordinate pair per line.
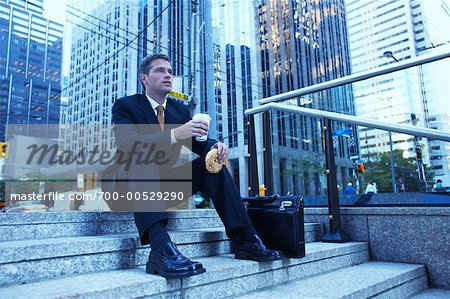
x,y
335,234
391,156
267,148
252,158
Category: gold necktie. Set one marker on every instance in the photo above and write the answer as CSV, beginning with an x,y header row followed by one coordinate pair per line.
x,y
160,116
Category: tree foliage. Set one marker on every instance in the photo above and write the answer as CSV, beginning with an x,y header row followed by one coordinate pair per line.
x,y
305,165
378,169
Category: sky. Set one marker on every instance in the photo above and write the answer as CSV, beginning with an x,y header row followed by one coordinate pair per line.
x,y
55,10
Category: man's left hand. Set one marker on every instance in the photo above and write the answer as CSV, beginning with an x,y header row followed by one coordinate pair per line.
x,y
223,151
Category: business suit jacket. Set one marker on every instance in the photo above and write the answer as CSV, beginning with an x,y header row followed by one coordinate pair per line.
x,y
136,109
135,122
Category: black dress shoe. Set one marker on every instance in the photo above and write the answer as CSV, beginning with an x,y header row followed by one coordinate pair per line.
x,y
256,251
172,264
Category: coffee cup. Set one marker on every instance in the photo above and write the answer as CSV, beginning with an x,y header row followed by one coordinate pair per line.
x,y
207,119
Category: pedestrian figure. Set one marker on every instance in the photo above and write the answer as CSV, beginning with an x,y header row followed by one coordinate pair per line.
x,y
349,190
371,188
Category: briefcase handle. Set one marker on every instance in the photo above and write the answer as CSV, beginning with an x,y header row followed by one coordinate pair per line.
x,y
259,198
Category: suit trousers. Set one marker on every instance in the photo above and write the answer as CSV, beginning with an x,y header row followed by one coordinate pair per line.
x,y
220,187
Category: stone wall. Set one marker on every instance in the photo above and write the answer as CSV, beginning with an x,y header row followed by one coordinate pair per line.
x,y
417,235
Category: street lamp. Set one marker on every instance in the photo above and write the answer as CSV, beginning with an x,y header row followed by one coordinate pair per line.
x,y
389,54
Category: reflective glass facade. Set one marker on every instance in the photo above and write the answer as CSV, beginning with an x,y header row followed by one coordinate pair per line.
x,y
406,29
303,43
30,66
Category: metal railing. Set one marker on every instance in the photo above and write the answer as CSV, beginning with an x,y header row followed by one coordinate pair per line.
x,y
354,120
355,78
335,233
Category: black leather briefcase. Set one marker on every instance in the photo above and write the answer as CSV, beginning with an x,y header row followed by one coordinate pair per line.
x,y
279,222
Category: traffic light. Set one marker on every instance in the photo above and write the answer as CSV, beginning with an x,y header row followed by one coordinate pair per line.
x,y
361,169
4,150
419,153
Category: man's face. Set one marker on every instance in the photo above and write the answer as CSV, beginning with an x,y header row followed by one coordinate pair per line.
x,y
159,79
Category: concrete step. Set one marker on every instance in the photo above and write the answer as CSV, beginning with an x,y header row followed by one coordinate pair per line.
x,y
225,276
28,260
433,294
368,280
24,261
25,226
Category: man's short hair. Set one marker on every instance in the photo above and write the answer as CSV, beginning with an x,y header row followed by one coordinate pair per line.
x,y
145,65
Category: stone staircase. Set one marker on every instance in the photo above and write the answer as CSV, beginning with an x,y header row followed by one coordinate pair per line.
x,y
98,255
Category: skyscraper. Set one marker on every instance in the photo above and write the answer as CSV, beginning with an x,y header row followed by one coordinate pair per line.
x,y
304,43
108,44
374,28
381,33
30,66
236,81
103,68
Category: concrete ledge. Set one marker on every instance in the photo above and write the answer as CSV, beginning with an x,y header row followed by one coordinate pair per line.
x,y
76,216
48,217
29,250
74,224
418,235
70,224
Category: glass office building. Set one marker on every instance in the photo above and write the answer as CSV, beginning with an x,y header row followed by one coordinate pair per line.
x,y
406,29
236,80
375,28
108,43
303,43
30,66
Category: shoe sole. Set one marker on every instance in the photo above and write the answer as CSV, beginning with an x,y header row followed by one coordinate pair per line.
x,y
155,269
242,255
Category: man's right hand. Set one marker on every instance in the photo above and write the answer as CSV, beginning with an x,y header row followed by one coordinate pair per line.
x,y
192,128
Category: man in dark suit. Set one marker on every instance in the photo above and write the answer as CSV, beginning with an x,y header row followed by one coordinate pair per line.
x,y
154,120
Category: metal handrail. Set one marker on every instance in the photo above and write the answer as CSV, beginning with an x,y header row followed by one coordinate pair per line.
x,y
355,120
357,77
335,232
